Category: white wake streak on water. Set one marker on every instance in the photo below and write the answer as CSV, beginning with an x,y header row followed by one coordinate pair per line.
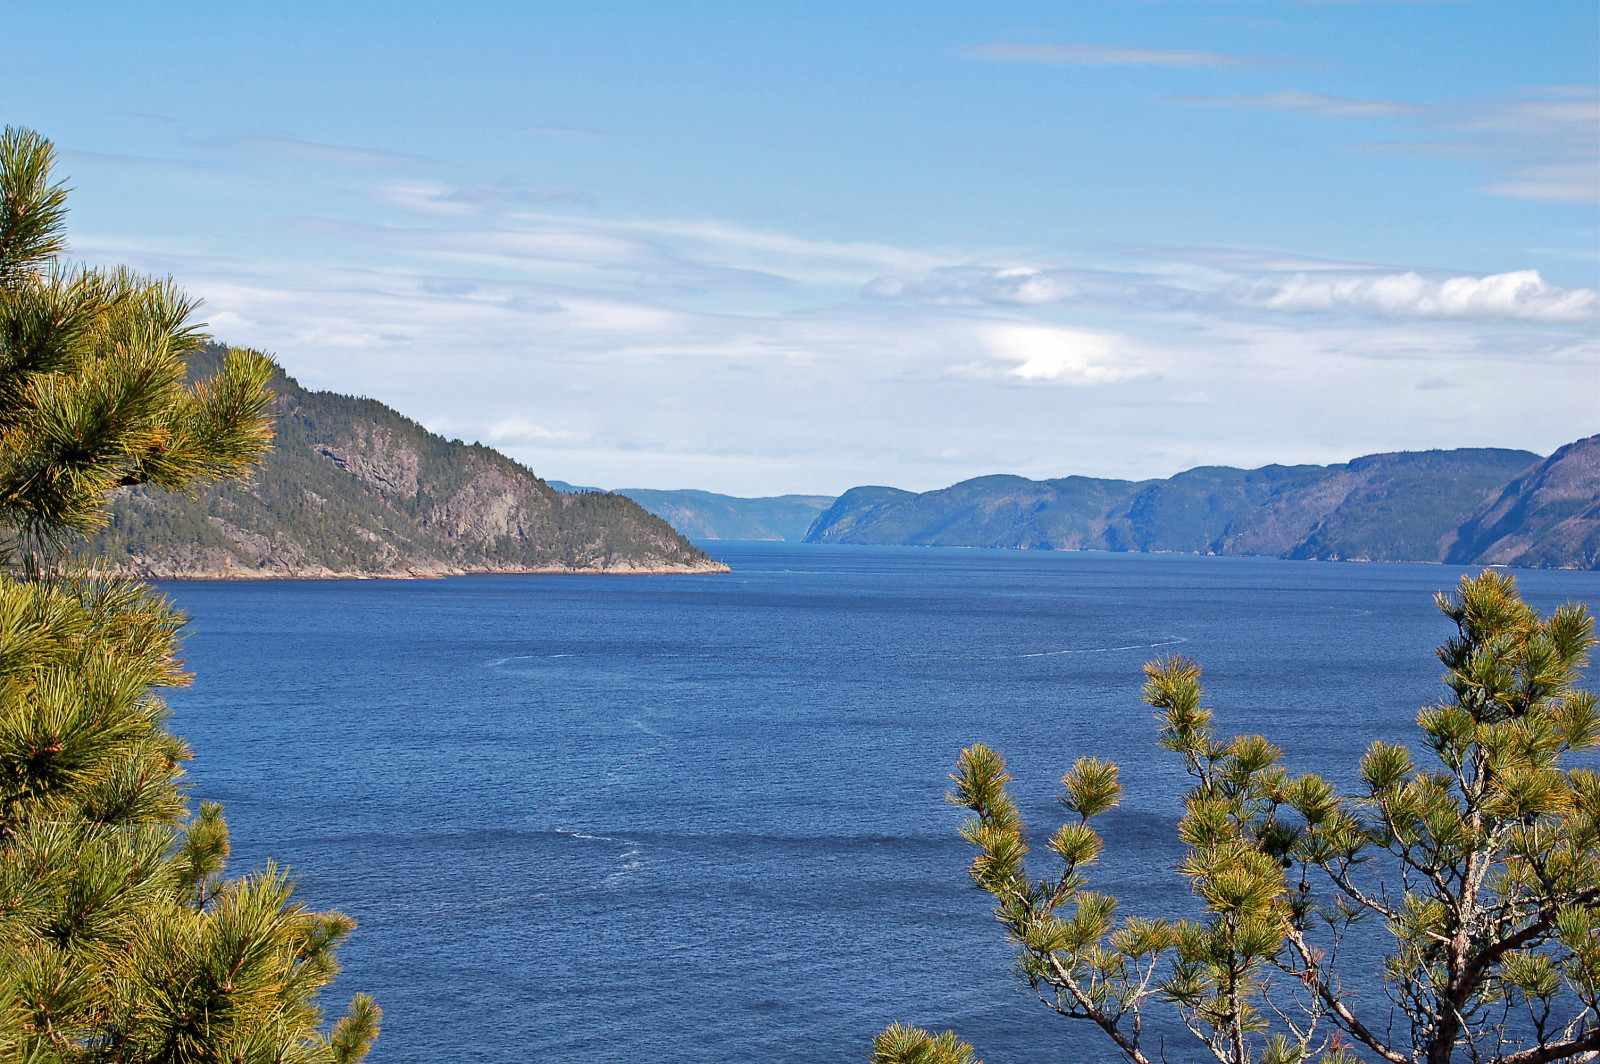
x,y
1105,650
498,662
625,870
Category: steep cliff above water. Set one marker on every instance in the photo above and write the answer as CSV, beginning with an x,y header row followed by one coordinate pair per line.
x,y
353,488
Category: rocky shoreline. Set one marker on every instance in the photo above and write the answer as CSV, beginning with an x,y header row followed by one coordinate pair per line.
x,y
242,573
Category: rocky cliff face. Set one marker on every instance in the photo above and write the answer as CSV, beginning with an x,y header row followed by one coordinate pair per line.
x,y
1549,517
352,488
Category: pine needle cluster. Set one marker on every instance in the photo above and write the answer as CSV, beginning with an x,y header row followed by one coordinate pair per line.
x,y
1482,870
121,938
92,374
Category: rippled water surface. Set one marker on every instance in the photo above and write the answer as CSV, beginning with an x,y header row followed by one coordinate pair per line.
x,y
633,819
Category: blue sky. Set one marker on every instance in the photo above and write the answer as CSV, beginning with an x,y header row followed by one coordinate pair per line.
x,y
762,248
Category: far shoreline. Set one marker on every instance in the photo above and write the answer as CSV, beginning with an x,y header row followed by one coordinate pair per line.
x,y
251,576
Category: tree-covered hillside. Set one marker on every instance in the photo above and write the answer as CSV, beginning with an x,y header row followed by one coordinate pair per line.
x,y
1466,505
351,487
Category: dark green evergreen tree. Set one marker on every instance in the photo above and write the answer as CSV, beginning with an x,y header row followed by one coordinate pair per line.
x,y
1481,870
120,938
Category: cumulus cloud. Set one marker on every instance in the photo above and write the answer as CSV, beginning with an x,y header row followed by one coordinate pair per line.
x,y
1522,295
1105,55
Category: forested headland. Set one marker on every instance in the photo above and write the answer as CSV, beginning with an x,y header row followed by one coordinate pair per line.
x,y
353,488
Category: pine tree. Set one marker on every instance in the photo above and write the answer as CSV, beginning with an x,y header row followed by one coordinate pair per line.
x,y
121,940
1482,870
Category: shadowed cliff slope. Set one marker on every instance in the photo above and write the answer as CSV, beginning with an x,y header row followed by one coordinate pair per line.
x,y
353,488
1547,517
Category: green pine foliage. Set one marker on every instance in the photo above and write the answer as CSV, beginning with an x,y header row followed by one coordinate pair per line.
x,y
902,1044
121,939
1482,867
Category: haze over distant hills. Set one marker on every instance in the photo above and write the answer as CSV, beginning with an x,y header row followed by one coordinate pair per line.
x,y
1464,506
707,515
352,488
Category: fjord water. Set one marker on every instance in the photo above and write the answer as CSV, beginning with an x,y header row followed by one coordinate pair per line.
x,y
597,819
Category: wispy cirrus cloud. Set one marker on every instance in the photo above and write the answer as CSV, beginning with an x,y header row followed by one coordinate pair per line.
x,y
318,151
577,133
976,286
1546,145
600,350
1315,103
494,225
1078,54
437,198
1543,144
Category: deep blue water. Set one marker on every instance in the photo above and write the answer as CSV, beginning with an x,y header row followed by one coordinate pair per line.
x,y
586,819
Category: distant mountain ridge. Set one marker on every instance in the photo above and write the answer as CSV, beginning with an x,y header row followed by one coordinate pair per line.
x,y
707,515
353,488
1470,505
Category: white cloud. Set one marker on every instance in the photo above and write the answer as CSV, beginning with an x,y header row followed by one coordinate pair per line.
x,y
1205,280
1053,353
976,286
1025,285
424,197
1105,55
539,334
436,198
658,253
1523,295
521,430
